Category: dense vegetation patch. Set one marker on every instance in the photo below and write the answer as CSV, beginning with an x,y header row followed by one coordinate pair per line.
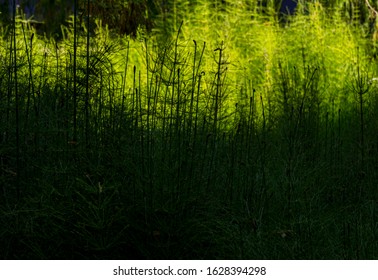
x,y
225,132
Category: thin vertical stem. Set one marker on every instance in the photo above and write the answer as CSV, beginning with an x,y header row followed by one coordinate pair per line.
x,y
218,85
17,102
87,136
75,74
